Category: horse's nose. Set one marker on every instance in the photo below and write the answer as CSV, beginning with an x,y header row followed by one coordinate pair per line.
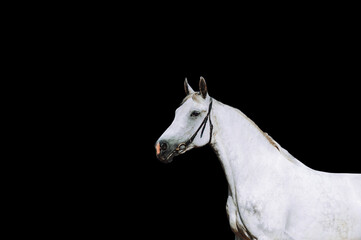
x,y
160,147
163,145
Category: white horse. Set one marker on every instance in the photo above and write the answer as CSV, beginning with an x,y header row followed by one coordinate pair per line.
x,y
271,194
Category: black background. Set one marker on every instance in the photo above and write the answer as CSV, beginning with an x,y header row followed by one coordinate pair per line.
x,y
296,79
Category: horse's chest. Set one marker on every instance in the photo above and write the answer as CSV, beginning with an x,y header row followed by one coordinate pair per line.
x,y
255,216
244,221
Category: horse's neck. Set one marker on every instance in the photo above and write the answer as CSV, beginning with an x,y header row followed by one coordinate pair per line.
x,y
243,149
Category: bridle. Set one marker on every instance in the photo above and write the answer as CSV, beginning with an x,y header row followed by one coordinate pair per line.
x,y
182,146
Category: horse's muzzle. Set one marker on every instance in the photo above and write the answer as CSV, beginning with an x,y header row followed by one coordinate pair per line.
x,y
163,152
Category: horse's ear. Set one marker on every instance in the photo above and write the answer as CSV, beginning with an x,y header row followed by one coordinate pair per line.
x,y
187,88
203,87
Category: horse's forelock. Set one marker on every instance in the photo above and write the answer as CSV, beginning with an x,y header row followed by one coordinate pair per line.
x,y
195,96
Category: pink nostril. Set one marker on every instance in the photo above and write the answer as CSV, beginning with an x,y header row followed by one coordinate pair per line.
x,y
157,147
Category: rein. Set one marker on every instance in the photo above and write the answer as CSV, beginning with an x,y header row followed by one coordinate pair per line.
x,y
182,146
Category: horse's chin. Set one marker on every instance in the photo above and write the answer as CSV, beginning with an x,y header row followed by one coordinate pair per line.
x,y
169,158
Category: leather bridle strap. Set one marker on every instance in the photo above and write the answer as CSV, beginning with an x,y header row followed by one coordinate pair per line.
x,y
184,145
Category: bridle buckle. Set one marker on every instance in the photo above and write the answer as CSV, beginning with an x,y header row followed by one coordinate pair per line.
x,y
181,147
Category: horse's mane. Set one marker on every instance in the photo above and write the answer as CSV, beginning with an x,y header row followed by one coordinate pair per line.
x,y
283,151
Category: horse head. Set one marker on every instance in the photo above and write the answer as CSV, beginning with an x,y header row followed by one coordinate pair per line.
x,y
191,127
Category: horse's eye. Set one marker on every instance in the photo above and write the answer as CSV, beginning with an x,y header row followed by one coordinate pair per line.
x,y
195,113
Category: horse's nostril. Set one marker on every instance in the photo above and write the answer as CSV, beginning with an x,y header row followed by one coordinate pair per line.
x,y
163,146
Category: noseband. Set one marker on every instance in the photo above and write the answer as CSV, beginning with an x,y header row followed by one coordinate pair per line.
x,y
184,145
